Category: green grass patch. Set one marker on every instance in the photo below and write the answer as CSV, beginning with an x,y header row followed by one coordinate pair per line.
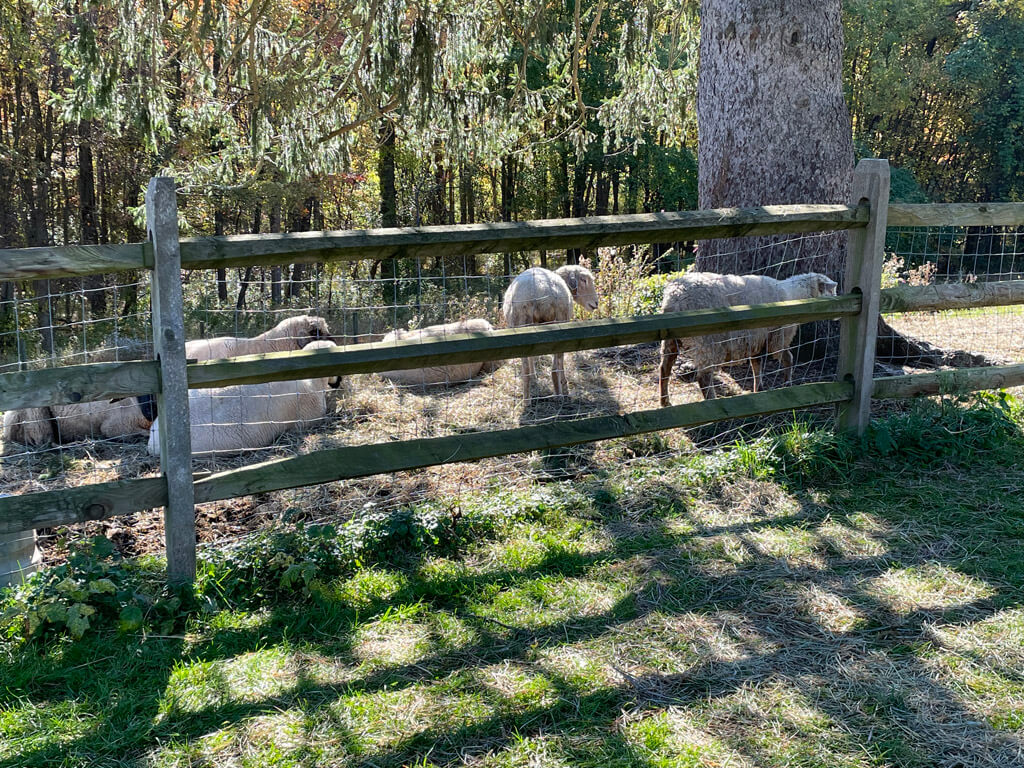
x,y
796,600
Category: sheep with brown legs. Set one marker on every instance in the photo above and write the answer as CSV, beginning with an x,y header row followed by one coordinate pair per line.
x,y
709,290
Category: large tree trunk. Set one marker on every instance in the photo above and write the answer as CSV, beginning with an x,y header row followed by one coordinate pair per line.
x,y
773,126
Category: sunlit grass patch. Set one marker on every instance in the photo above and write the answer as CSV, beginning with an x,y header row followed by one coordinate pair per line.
x,y
26,725
929,587
194,686
670,739
387,718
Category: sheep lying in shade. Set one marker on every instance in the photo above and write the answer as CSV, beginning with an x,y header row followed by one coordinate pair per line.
x,y
290,334
442,374
707,290
61,424
541,296
246,416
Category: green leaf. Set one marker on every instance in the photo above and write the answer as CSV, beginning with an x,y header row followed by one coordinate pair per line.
x,y
130,618
102,586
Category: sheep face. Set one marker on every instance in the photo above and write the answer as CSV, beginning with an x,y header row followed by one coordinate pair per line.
x,y
306,329
581,284
335,381
814,284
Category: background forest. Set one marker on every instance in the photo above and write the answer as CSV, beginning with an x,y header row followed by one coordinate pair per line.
x,y
290,115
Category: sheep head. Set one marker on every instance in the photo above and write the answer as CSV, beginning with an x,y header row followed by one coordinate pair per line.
x,y
813,284
581,284
300,330
335,381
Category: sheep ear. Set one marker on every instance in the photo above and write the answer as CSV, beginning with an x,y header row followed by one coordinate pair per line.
x,y
335,382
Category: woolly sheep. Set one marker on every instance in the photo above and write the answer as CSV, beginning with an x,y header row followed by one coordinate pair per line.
x,y
78,421
290,334
442,374
706,290
245,416
541,296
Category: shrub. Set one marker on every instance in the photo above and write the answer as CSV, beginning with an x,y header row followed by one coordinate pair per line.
x,y
94,588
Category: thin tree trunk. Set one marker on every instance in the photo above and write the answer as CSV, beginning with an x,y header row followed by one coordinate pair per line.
x,y
243,286
275,271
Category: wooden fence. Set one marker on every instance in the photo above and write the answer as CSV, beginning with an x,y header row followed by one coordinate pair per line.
x,y
170,376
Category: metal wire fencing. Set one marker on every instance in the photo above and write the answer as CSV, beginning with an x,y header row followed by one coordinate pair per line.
x,y
96,319
954,338
364,301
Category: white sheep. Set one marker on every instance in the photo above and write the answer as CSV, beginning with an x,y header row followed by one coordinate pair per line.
x,y
78,421
132,416
707,290
442,374
290,334
245,416
541,296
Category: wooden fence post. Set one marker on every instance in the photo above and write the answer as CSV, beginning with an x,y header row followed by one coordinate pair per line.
x,y
172,399
864,257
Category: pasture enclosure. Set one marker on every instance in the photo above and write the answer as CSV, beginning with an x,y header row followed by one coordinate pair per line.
x,y
948,264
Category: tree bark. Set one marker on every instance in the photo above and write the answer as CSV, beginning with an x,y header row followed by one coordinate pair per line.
x,y
773,126
275,271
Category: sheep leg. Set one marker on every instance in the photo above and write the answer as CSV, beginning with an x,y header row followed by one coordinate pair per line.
x,y
786,365
755,369
558,374
706,381
669,353
527,374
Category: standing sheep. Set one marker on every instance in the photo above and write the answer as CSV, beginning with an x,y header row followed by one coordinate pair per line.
x,y
290,334
246,416
540,296
442,374
708,290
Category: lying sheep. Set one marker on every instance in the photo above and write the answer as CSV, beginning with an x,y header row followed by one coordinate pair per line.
x,y
707,290
61,424
290,334
240,417
541,296
442,374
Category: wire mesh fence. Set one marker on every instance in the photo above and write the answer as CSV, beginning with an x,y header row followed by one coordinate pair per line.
x,y
938,255
88,320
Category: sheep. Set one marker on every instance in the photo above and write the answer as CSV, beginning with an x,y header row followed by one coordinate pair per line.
x,y
541,296
706,290
442,374
61,424
132,416
236,418
290,334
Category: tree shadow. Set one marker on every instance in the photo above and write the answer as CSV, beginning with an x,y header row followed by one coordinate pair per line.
x,y
770,618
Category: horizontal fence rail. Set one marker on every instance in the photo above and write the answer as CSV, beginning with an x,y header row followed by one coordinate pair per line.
x,y
96,502
442,240
72,260
78,384
953,382
956,215
502,237
498,237
511,342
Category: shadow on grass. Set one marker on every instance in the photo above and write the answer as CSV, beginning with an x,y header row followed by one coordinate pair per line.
x,y
869,675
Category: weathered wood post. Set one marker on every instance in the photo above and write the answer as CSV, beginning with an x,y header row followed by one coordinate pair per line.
x,y
172,399
858,333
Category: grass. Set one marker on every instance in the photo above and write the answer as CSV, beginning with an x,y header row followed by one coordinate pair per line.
x,y
798,601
